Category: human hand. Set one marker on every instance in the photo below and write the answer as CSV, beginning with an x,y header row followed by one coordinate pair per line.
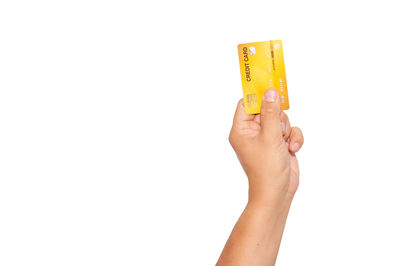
x,y
266,144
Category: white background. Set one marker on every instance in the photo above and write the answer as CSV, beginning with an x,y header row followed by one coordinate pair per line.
x,y
114,123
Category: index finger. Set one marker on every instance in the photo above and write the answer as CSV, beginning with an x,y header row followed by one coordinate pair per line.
x,y
240,114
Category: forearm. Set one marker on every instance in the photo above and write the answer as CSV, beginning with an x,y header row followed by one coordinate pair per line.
x,y
266,147
256,237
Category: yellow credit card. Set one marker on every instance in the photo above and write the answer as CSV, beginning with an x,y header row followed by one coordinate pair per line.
x,y
262,67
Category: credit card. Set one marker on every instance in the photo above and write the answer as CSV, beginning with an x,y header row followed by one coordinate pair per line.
x,y
262,67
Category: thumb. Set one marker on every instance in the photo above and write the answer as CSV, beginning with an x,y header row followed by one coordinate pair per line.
x,y
270,115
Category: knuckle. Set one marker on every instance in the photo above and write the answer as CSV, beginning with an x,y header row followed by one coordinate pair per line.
x,y
232,139
297,134
241,102
284,116
268,111
267,115
298,131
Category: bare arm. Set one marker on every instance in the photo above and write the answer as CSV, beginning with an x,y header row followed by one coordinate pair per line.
x,y
265,145
256,237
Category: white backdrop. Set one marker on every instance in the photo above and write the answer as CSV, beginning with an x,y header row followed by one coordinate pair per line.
x,y
114,123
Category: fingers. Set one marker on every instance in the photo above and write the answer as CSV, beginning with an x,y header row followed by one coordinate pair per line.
x,y
240,114
296,139
285,125
294,135
270,115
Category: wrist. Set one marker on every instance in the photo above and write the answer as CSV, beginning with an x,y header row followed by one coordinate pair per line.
x,y
273,201
271,215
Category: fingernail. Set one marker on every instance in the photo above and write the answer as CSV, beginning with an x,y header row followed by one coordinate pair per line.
x,y
295,146
270,95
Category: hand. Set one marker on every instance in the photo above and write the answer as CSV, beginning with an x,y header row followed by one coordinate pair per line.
x,y
266,144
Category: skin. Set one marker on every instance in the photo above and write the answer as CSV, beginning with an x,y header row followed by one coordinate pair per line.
x,y
265,145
